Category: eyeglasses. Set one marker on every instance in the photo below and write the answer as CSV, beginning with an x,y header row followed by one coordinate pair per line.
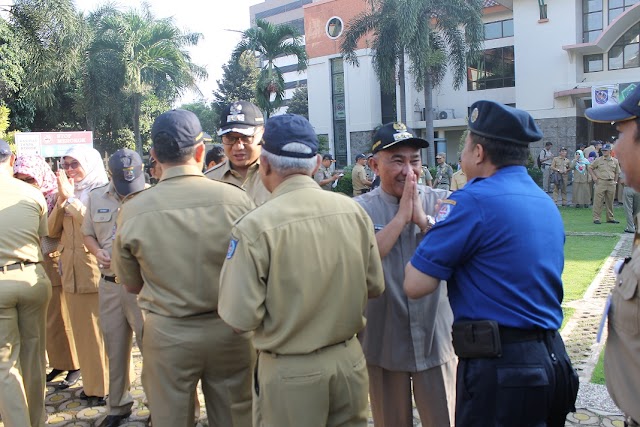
x,y
232,140
72,165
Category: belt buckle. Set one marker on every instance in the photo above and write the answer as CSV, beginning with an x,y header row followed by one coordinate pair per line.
x,y
117,280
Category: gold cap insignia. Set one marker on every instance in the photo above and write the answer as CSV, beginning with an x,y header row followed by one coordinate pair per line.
x,y
474,115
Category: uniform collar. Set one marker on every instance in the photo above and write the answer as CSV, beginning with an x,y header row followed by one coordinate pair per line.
x,y
111,191
226,167
293,183
182,170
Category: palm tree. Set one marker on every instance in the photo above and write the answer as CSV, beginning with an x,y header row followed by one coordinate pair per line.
x,y
269,42
435,35
149,51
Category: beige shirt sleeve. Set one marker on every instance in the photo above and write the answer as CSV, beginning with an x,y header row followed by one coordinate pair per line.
x,y
243,283
123,262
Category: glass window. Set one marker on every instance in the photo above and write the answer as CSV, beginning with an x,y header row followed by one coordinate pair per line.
x,y
630,2
495,69
593,21
615,58
591,6
507,28
631,56
615,3
492,30
614,13
593,63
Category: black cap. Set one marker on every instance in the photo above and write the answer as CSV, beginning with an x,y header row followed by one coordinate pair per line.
x,y
606,147
286,128
327,157
181,125
503,123
5,149
563,149
360,156
241,117
627,110
395,133
126,169
547,144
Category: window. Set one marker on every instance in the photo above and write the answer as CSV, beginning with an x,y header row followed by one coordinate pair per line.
x,y
593,63
498,29
625,53
591,20
494,69
616,7
339,111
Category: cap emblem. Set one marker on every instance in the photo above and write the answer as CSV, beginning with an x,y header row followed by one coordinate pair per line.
x,y
402,135
399,126
474,115
128,173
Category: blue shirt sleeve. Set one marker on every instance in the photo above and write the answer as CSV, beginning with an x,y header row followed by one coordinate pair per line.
x,y
453,239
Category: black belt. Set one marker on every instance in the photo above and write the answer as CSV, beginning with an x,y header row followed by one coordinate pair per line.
x,y
514,335
316,351
17,265
112,279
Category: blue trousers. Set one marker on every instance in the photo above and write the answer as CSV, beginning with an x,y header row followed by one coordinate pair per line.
x,y
532,384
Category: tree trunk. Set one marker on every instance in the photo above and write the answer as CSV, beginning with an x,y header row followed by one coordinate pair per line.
x,y
403,93
428,111
136,122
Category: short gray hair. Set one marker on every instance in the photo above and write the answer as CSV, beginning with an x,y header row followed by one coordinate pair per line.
x,y
283,164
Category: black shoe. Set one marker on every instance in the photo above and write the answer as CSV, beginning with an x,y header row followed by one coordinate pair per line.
x,y
597,221
113,420
613,221
53,374
93,400
629,231
71,380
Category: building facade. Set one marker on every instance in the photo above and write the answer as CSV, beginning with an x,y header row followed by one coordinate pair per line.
x,y
549,59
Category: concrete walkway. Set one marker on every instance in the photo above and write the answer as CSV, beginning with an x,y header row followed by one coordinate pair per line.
x,y
594,406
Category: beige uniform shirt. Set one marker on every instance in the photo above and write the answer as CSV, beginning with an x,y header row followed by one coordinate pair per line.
x,y
322,174
560,164
252,183
458,180
100,218
299,269
23,220
358,178
605,169
173,238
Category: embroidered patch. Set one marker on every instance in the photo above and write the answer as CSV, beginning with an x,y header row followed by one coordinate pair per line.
x,y
445,209
233,244
103,210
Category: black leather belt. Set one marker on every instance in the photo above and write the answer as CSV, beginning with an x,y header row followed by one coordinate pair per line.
x,y
112,279
514,335
17,265
316,351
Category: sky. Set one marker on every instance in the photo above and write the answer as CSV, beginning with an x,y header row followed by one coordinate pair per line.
x,y
212,19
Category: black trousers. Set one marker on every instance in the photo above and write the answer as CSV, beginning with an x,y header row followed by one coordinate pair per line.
x,y
532,384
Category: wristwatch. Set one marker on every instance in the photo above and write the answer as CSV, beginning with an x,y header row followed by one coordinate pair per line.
x,y
68,202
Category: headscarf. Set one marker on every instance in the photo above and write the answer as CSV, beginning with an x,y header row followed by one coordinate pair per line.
x,y
581,163
37,168
95,174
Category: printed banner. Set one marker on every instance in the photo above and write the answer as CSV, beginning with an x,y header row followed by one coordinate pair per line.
x,y
604,95
51,144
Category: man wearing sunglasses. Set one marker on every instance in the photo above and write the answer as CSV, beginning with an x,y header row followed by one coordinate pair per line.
x,y
241,129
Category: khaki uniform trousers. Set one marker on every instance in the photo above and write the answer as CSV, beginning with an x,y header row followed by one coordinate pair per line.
x,y
177,352
604,193
24,295
84,314
120,318
327,387
631,206
61,348
546,177
562,189
434,391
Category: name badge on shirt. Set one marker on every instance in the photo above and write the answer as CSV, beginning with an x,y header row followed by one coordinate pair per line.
x,y
103,210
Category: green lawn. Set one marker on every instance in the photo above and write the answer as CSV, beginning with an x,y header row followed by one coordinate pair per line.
x,y
598,372
580,220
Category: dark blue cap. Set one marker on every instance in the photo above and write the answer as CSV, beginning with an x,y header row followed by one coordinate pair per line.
x,y
503,123
282,130
181,125
628,109
126,169
393,134
360,156
606,147
5,149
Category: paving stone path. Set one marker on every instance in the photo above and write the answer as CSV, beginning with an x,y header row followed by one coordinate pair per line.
x,y
595,407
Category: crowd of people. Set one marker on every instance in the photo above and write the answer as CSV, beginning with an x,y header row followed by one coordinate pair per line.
x,y
292,306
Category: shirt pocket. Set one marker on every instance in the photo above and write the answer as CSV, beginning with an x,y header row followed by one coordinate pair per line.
x,y
101,217
625,313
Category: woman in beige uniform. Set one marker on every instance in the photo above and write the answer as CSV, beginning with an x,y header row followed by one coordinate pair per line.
x,y
61,348
82,170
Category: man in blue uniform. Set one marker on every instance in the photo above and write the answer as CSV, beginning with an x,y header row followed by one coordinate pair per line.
x,y
503,266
